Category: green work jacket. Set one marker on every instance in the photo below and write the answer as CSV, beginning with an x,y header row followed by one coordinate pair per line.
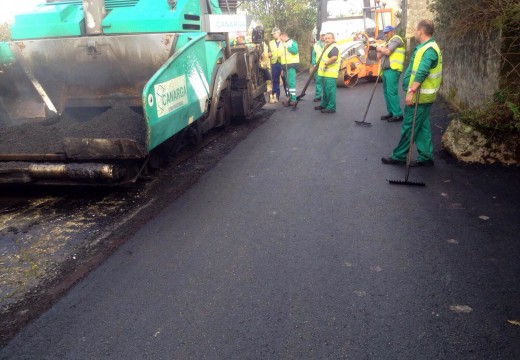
x,y
426,68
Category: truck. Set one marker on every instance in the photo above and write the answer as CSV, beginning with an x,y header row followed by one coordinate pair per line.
x,y
97,92
357,26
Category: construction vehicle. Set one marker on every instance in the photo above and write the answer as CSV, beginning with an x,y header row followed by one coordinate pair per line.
x,y
357,26
99,91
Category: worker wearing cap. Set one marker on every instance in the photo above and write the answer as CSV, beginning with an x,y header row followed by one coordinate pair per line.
x,y
290,61
317,50
329,71
275,54
239,40
422,80
392,56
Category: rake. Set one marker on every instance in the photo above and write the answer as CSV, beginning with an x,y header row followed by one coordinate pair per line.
x,y
409,155
366,123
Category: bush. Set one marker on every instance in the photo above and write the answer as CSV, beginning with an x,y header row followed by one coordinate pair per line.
x,y
501,114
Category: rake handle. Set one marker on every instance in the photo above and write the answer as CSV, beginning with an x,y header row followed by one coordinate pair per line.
x,y
409,155
373,92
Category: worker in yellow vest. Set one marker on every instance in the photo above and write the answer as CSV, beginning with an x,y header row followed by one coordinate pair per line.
x,y
290,63
317,50
329,71
275,54
392,56
421,81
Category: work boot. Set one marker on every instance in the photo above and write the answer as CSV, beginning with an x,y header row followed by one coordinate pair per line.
x,y
395,119
422,163
391,161
317,99
327,111
318,107
386,117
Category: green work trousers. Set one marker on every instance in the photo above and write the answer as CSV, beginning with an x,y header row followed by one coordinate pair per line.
x,y
328,100
319,86
291,77
390,90
422,136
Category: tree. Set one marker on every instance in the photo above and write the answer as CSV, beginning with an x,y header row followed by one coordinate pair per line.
x,y
296,17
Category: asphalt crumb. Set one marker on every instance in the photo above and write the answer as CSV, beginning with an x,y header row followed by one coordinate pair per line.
x,y
46,136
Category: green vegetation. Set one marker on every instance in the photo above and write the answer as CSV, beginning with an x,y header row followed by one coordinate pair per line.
x,y
5,32
500,114
457,19
296,17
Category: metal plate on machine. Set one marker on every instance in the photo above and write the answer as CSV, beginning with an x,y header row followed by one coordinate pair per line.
x,y
226,23
87,149
94,71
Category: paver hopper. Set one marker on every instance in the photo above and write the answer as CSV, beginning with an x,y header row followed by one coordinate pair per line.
x,y
88,88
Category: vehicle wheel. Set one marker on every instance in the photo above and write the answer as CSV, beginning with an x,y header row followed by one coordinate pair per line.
x,y
351,81
164,153
224,109
195,133
340,82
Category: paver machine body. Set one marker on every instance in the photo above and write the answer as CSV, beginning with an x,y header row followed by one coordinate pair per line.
x,y
91,91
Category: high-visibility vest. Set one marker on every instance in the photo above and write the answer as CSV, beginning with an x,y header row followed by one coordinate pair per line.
x,y
276,51
397,56
287,57
430,86
318,49
331,70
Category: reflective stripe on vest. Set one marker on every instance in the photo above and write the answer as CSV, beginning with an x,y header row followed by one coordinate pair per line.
x,y
318,49
276,51
430,86
287,57
397,56
332,70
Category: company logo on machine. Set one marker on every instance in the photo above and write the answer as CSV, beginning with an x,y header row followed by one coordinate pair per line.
x,y
226,23
170,95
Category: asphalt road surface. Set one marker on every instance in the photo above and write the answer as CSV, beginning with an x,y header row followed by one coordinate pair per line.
x,y
296,247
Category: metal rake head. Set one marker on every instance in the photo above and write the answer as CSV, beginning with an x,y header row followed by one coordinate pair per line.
x,y
406,182
363,123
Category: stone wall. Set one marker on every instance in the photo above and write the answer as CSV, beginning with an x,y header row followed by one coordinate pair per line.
x,y
471,67
416,11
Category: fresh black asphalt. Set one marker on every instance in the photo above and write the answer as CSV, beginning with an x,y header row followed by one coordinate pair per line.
x,y
296,247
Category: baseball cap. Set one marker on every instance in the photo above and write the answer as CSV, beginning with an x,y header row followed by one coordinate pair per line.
x,y
275,30
388,28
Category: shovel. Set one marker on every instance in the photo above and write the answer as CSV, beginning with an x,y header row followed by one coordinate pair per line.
x,y
409,155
